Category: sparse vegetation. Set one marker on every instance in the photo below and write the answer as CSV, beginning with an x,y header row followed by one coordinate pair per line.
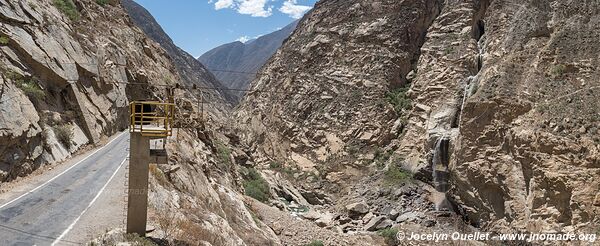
x,y
223,154
255,186
102,2
31,89
558,70
29,86
389,234
64,134
399,99
68,8
192,233
4,40
316,243
448,50
275,165
396,175
158,174
381,157
169,223
136,239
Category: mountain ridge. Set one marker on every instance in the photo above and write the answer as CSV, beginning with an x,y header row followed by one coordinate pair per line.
x,y
235,64
191,70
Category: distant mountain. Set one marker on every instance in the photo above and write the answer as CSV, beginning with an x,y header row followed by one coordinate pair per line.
x,y
190,69
225,60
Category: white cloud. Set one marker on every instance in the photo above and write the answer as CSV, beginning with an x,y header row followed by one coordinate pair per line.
x,y
291,8
223,4
243,39
255,8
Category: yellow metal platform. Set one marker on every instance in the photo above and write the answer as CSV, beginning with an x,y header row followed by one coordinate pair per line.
x,y
152,119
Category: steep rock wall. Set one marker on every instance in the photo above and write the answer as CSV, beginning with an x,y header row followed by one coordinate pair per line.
x,y
511,85
503,95
69,71
318,104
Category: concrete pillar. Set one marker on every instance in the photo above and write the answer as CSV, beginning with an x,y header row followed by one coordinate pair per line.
x,y
137,202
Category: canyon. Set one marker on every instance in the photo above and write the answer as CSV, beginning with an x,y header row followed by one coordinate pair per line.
x,y
371,118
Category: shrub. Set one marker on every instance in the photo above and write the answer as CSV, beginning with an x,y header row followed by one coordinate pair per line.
x,y
448,50
68,8
223,154
64,134
316,243
31,89
396,175
558,70
389,234
4,40
102,2
28,86
138,240
275,165
382,157
399,99
255,186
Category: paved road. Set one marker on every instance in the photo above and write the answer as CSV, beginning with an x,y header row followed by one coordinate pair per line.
x,y
44,215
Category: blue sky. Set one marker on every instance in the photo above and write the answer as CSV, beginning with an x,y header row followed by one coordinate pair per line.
x,y
200,25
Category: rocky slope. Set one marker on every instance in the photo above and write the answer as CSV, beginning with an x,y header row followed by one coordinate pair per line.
x,y
192,71
321,118
511,95
64,75
491,103
69,70
244,59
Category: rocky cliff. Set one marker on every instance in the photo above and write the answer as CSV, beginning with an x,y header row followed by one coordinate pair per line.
x,y
191,70
65,68
492,103
238,62
69,70
331,108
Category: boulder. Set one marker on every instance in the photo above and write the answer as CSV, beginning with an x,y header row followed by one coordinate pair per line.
x,y
358,208
315,197
311,215
428,223
384,224
409,216
368,217
374,223
325,220
344,220
393,215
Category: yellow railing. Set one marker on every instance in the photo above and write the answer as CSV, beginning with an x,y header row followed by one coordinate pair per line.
x,y
151,119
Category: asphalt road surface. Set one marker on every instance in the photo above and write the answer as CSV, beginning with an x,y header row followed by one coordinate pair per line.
x,y
46,213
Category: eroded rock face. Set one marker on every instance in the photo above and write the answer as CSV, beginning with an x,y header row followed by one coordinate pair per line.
x,y
60,71
510,85
504,114
80,73
204,196
320,107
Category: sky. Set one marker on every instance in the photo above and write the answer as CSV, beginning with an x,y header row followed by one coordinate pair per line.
x,y
197,26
